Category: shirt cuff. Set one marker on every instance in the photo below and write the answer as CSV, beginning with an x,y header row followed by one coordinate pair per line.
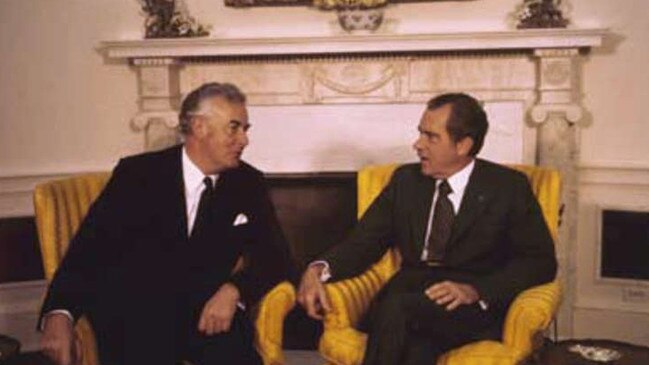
x,y
56,311
325,275
483,305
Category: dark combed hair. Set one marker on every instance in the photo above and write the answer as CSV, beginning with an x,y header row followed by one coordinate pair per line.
x,y
467,118
209,90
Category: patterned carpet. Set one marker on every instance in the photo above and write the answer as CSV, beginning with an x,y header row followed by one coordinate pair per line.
x,y
294,357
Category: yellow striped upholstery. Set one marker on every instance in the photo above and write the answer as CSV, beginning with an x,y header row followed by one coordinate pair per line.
x,y
60,207
273,308
530,313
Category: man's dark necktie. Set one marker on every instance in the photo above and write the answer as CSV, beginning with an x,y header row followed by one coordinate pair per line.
x,y
440,230
204,212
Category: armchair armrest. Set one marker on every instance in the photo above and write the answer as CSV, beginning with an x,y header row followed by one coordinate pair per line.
x,y
341,343
529,314
273,308
351,298
89,343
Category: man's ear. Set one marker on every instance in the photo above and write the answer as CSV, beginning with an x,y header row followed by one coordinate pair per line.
x,y
464,146
198,126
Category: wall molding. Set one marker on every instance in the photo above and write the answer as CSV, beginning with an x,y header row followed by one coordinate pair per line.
x,y
17,189
622,172
44,172
610,306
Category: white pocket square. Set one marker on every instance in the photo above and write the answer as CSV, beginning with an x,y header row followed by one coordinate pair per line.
x,y
240,219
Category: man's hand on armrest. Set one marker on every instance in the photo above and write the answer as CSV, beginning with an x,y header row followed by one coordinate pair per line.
x,y
451,294
59,342
219,310
311,294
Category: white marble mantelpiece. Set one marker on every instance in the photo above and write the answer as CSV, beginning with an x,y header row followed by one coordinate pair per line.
x,y
537,67
393,43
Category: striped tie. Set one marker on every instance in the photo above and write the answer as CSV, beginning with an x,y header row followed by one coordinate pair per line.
x,y
442,222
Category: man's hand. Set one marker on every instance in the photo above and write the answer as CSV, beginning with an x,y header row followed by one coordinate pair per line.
x,y
312,295
59,342
452,294
219,310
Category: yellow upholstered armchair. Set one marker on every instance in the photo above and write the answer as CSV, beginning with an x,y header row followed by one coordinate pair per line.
x,y
529,314
60,207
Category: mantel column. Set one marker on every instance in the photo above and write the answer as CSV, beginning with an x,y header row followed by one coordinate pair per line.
x,y
557,109
559,114
159,101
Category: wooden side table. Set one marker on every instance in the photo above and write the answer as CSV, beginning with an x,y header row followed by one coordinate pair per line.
x,y
560,354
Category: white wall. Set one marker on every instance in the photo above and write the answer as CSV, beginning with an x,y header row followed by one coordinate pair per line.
x,y
614,166
63,108
616,85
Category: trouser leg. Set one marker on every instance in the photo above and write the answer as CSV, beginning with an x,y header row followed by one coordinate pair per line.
x,y
135,332
446,330
233,347
388,333
419,350
386,321
405,326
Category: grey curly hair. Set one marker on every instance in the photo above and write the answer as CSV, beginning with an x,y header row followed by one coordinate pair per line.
x,y
194,102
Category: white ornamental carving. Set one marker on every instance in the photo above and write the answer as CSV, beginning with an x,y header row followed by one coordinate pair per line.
x,y
556,72
357,78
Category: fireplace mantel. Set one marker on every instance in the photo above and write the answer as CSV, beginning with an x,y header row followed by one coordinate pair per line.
x,y
539,67
393,43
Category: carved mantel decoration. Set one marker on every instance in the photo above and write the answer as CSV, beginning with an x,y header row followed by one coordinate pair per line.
x,y
537,68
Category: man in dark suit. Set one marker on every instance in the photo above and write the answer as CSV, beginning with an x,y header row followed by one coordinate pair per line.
x,y
176,250
471,235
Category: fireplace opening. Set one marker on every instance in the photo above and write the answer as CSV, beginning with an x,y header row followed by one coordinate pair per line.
x,y
315,211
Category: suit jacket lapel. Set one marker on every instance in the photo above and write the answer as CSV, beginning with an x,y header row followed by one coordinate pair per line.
x,y
423,193
225,199
222,202
177,189
474,201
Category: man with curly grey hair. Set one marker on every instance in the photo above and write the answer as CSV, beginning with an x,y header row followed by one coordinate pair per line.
x,y
177,249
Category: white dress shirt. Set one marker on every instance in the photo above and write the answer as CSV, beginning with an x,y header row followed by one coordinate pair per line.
x,y
457,182
193,178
